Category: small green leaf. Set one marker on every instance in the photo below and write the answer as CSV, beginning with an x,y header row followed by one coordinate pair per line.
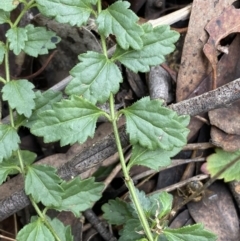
x,y
145,202
69,121
131,230
64,233
153,126
79,195
17,38
94,78
20,96
35,231
28,157
4,16
10,166
8,5
219,160
153,159
2,51
39,40
9,140
42,183
189,233
71,11
117,212
43,101
120,21
163,202
157,42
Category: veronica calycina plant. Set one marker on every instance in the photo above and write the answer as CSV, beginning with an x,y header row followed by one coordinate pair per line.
x,y
154,130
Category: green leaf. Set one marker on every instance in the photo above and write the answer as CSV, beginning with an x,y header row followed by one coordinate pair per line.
x,y
42,183
130,231
39,40
163,202
9,140
189,233
4,16
145,202
10,166
43,101
94,78
120,21
152,159
2,51
28,157
64,233
20,96
69,121
35,231
71,11
8,5
117,212
153,126
157,42
17,38
220,159
79,195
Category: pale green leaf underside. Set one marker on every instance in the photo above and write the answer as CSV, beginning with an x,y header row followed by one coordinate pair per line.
x,y
69,121
2,51
189,233
117,212
9,140
64,233
157,42
79,195
4,16
94,78
20,96
219,160
16,38
74,12
8,5
154,159
118,20
153,126
42,183
39,40
43,101
35,231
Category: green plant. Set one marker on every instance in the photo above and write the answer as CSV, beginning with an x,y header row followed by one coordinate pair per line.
x,y
153,129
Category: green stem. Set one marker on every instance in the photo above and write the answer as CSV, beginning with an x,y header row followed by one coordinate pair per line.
x,y
128,179
42,216
26,7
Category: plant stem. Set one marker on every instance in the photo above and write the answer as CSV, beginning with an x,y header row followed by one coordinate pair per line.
x,y
21,163
42,216
24,10
128,179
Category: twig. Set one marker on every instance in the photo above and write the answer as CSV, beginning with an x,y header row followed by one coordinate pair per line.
x,y
98,225
171,18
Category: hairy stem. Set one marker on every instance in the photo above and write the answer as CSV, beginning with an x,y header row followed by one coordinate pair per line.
x,y
128,180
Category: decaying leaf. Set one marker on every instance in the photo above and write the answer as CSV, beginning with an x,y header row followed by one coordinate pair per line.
x,y
219,28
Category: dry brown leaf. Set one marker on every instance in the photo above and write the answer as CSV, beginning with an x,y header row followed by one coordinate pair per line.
x,y
219,28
